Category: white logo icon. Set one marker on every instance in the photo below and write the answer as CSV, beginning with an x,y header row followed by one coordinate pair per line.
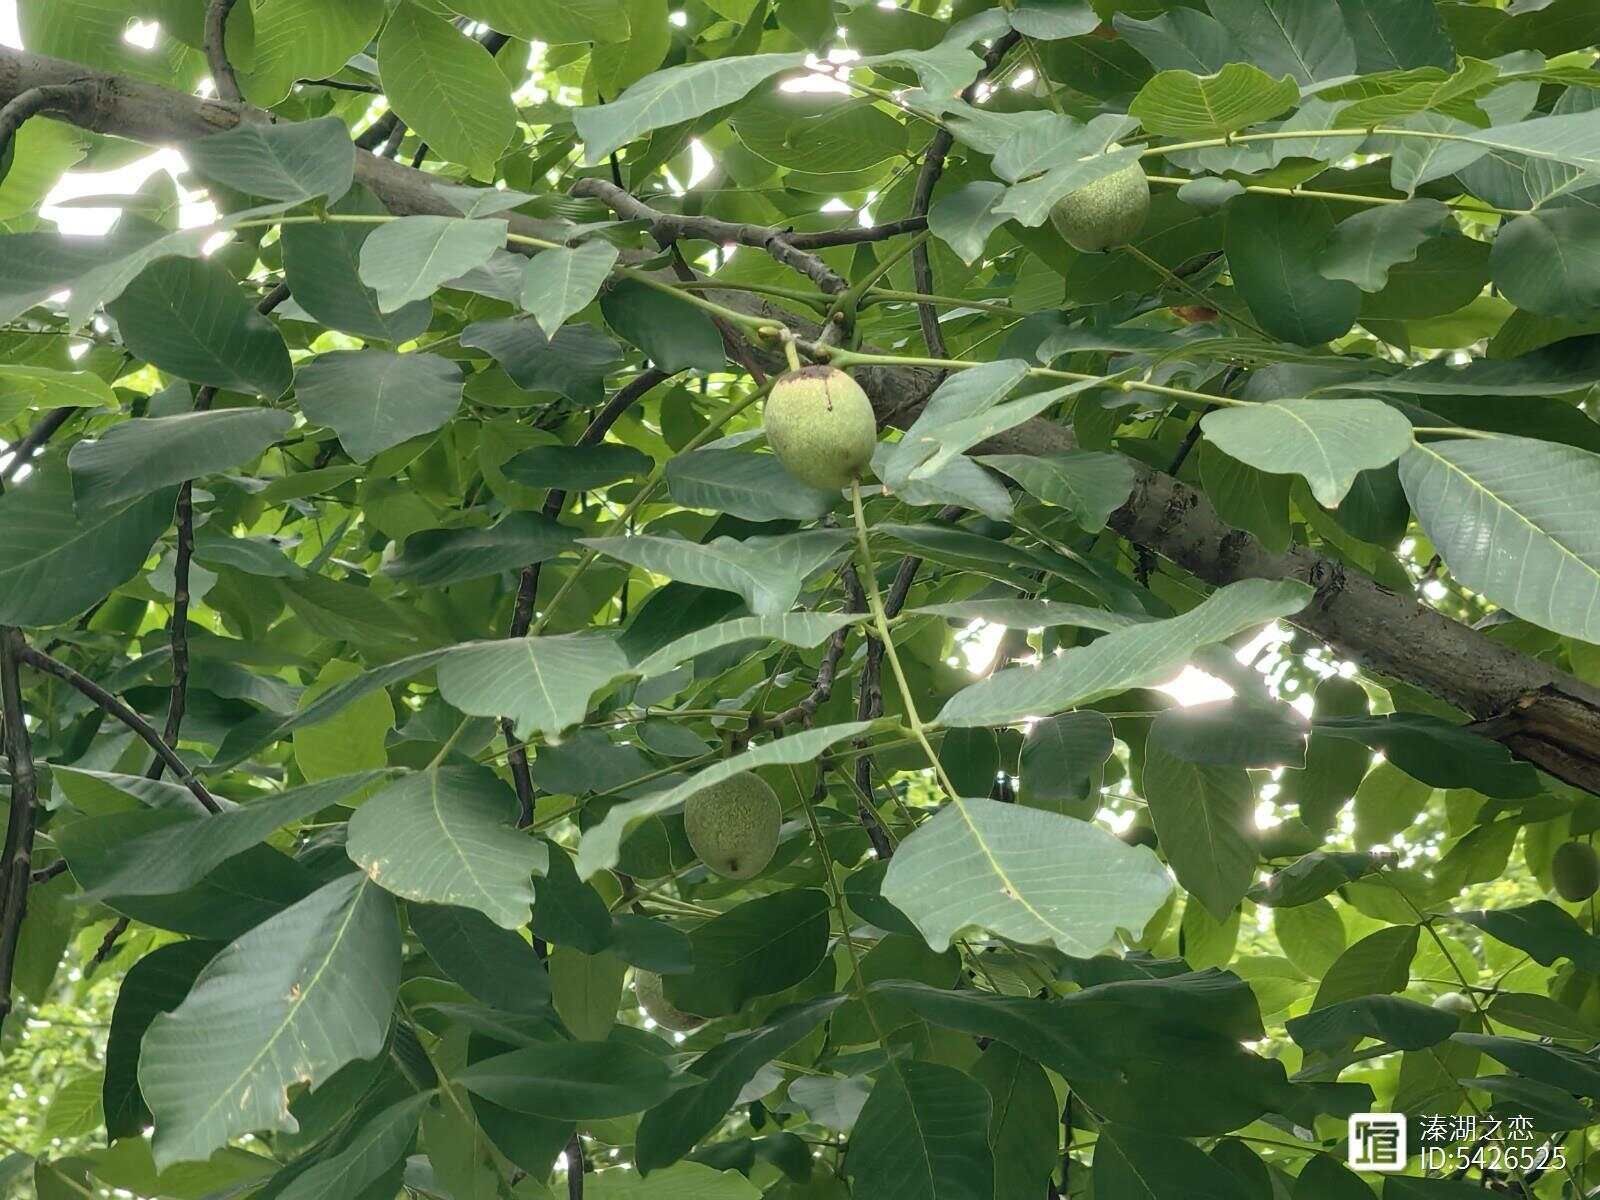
x,y
1377,1142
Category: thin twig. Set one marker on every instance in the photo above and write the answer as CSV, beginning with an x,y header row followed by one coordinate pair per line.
x,y
922,195
853,236
222,76
22,453
109,704
670,227
16,869
575,1168
178,627
528,585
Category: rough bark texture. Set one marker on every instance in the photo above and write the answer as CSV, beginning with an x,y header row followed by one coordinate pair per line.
x,y
1542,714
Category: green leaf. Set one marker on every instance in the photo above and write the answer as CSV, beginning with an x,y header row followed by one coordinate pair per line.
x,y
587,990
575,1081
1379,964
576,468
1181,39
447,836
555,24
377,1145
923,1135
1234,733
543,684
447,87
599,847
179,855
290,1002
1205,818
24,387
410,258
752,486
1089,485
1131,1164
1547,261
1326,442
1404,1024
157,983
573,363
495,965
1023,1121
673,335
684,1181
1362,248
1569,1070
1051,19
1272,244
1024,874
671,96
1514,520
802,629
1308,41
138,457
54,563
188,317
375,399
321,262
437,557
557,283
1062,762
1541,930
1139,656
767,571
303,39
297,160
1030,202
965,218
568,911
1206,106
758,948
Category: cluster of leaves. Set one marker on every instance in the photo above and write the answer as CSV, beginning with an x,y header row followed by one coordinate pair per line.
x,y
384,562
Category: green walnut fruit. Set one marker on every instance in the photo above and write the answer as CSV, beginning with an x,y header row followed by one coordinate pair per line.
x,y
1576,869
733,825
1455,1002
821,426
647,987
1106,213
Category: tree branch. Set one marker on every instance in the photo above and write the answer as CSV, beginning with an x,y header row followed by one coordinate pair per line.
x,y
108,703
851,236
667,228
16,869
22,453
222,76
922,196
528,584
62,98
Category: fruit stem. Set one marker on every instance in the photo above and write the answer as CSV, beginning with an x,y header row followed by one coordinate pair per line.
x,y
880,619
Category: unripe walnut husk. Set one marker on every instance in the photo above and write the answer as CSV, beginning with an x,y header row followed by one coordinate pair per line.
x,y
653,999
733,825
821,426
1576,871
1104,214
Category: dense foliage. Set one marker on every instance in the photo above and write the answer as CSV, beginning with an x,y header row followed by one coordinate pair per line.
x,y
459,754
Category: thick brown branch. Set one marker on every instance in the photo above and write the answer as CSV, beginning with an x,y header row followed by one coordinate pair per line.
x,y
112,706
667,228
222,76
16,869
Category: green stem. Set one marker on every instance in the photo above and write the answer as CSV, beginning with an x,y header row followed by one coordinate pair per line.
x,y
1005,310
1476,206
1198,400
869,578
1284,135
